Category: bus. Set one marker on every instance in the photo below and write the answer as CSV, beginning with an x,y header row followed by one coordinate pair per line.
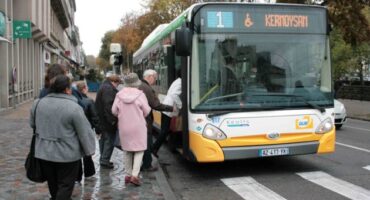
x,y
256,79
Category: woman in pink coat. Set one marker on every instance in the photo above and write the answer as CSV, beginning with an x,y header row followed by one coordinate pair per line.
x,y
131,107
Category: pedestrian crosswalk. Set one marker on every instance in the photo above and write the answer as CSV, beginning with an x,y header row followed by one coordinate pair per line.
x,y
248,188
339,186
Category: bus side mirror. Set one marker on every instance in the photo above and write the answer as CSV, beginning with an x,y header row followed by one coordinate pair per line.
x,y
183,39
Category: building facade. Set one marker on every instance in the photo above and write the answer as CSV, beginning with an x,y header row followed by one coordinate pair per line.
x,y
23,61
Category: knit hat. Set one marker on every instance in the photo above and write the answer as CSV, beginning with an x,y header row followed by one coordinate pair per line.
x,y
131,80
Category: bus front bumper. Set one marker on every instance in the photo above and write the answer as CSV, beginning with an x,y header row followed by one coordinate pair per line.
x,y
234,153
206,150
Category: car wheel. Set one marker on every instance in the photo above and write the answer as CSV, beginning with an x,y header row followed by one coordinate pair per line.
x,y
338,126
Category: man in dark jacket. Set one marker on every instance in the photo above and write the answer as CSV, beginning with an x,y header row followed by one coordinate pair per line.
x,y
150,77
108,122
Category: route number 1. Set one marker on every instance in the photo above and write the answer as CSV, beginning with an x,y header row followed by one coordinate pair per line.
x,y
219,15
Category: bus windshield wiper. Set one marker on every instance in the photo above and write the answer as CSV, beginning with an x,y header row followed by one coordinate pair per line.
x,y
312,105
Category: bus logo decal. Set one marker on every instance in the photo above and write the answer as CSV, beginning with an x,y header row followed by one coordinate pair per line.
x,y
248,21
305,123
273,135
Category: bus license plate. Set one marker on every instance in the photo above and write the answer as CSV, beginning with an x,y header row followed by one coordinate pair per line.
x,y
273,152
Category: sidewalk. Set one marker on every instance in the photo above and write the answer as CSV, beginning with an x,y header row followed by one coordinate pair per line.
x,y
357,109
15,139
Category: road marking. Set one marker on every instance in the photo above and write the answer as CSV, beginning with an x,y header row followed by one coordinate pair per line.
x,y
339,186
353,147
248,188
362,129
367,167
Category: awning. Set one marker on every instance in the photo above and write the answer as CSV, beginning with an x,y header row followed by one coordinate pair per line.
x,y
2,39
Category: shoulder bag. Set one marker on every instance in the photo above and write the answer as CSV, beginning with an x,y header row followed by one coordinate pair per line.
x,y
33,164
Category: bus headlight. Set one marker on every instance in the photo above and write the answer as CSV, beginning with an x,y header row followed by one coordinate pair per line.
x,y
325,126
214,133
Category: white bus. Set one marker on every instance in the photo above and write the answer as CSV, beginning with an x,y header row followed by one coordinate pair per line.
x,y
256,79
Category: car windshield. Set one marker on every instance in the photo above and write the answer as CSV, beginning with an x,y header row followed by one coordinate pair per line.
x,y
260,71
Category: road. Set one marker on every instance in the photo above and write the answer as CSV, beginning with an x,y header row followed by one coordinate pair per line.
x,y
344,174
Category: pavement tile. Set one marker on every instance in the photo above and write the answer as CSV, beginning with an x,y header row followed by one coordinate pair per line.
x,y
16,133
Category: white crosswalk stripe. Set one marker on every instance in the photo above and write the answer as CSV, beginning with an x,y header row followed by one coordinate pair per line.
x,y
367,167
248,188
339,186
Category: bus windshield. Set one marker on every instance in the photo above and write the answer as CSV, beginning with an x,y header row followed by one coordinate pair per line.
x,y
260,71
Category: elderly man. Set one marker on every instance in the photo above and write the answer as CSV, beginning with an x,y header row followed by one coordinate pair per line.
x,y
108,122
149,78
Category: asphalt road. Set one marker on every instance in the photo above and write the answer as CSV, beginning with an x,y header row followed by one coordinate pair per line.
x,y
344,174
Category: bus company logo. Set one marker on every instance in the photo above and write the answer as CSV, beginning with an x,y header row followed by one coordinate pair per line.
x,y
237,123
248,22
273,135
304,123
215,120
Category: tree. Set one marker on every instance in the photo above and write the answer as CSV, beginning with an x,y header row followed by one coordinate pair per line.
x,y
350,19
104,53
91,61
342,55
127,35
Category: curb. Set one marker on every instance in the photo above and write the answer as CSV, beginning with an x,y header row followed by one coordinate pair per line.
x,y
163,183
358,118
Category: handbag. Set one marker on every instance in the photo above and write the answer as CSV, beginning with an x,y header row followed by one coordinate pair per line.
x,y
89,167
33,164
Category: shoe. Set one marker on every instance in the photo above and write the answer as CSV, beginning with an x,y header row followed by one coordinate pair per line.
x,y
135,180
107,166
127,179
150,169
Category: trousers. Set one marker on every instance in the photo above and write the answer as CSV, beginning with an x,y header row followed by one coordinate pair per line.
x,y
60,177
133,161
106,145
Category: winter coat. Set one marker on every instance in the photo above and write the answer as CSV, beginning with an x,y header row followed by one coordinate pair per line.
x,y
173,97
154,103
131,107
103,104
63,132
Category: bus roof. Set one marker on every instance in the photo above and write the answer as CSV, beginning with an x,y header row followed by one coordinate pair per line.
x,y
156,35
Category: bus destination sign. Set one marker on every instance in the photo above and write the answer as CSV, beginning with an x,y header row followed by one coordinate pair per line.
x,y
249,18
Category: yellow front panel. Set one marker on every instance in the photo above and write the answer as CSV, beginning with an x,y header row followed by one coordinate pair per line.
x,y
205,150
327,143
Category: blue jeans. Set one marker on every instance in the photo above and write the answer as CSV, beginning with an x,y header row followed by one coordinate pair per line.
x,y
106,144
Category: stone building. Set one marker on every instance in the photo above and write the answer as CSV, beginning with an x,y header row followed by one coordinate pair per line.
x,y
24,57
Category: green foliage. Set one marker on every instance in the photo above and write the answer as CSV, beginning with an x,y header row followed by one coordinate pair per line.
x,y
104,49
343,59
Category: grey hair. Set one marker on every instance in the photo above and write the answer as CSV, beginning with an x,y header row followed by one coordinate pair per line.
x,y
149,72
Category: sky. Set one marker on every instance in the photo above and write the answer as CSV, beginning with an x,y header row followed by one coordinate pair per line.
x,y
95,17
